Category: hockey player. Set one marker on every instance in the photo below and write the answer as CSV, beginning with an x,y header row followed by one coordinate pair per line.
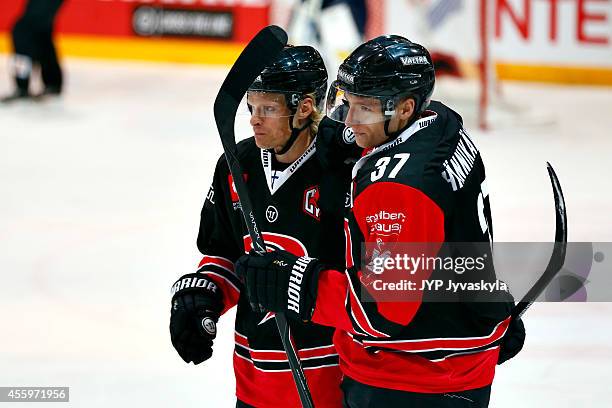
x,y
420,180
33,46
284,182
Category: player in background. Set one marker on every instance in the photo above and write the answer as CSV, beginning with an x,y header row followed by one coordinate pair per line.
x,y
306,27
420,180
306,12
284,181
33,47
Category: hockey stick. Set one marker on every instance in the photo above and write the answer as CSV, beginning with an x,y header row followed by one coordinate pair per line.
x,y
260,52
558,256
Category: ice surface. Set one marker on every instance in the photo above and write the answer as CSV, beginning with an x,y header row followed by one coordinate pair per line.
x,y
100,195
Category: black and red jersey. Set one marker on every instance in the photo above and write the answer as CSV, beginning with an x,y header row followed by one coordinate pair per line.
x,y
425,186
286,205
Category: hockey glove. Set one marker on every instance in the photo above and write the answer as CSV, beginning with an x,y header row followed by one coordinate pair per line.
x,y
279,281
336,144
196,304
513,341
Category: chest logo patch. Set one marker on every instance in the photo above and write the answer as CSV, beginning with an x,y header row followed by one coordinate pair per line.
x,y
311,202
271,213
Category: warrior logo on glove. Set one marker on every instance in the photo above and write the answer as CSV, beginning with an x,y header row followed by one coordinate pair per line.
x,y
279,281
209,325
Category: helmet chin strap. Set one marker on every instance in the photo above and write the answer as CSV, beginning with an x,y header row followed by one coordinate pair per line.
x,y
393,135
295,132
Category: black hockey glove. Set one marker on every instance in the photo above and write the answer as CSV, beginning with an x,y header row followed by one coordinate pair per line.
x,y
336,145
513,341
196,305
279,281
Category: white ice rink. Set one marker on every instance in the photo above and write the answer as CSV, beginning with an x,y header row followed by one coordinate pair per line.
x,y
100,195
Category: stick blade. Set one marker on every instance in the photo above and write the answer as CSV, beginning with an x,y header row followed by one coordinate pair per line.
x,y
259,53
557,259
561,214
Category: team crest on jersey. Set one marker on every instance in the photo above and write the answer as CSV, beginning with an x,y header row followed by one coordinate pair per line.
x,y
233,191
310,204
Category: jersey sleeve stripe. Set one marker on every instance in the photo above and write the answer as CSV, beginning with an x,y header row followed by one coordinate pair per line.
x,y
226,281
349,311
360,314
348,245
281,355
222,276
464,353
459,343
218,261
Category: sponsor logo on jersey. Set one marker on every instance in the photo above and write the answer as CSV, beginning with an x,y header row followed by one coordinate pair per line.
x,y
306,155
458,167
348,135
385,222
211,195
295,283
386,228
311,202
385,216
266,156
416,60
271,213
427,122
233,191
397,142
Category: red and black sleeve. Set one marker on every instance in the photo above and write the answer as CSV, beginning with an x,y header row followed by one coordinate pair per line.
x,y
384,216
216,238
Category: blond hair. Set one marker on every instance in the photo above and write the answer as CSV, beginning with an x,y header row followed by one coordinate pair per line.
x,y
315,115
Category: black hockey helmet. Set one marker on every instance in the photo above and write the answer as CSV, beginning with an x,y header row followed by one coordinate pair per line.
x,y
298,71
388,68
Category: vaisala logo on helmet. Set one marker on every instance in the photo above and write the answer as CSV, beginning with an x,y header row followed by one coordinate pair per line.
x,y
346,77
417,60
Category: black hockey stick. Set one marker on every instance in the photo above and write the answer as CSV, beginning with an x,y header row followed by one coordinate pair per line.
x,y
558,256
260,52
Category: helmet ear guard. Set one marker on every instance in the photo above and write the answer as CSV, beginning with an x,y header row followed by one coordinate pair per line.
x,y
389,105
293,100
